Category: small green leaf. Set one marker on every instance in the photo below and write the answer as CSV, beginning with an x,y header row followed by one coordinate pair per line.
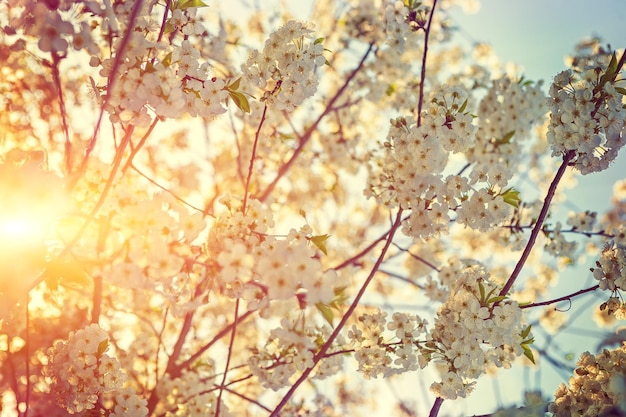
x,y
186,4
320,242
621,90
234,85
167,60
506,138
511,197
318,40
463,106
391,88
613,64
102,347
481,288
169,28
497,299
240,100
528,353
526,331
327,313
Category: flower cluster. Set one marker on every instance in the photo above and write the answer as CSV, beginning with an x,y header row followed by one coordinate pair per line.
x,y
587,115
261,267
409,174
285,69
597,387
83,374
610,269
290,349
506,115
473,329
387,347
153,76
191,394
400,19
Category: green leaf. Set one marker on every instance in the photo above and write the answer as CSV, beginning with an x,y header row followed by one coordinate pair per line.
x,y
327,313
497,299
234,85
506,138
463,106
169,28
526,331
240,100
528,353
186,4
511,197
318,40
102,347
167,60
481,288
621,90
320,242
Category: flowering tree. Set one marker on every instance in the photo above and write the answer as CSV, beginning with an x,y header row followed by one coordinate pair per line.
x,y
208,217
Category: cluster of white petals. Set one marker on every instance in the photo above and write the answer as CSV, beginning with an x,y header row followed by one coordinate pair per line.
x,y
285,68
82,373
587,116
598,386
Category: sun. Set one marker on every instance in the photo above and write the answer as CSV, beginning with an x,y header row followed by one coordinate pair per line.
x,y
21,229
32,200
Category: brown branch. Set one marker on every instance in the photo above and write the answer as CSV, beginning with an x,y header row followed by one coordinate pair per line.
x,y
309,132
252,158
322,352
420,103
542,216
564,298
228,358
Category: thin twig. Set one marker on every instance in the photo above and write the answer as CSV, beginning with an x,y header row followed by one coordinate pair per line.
x,y
56,59
134,13
228,358
564,298
309,132
252,158
420,103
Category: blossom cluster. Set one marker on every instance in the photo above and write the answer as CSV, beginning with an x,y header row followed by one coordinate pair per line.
x,y
506,115
261,267
400,19
474,329
587,116
385,347
598,386
190,395
285,68
610,269
84,375
289,349
160,77
410,173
